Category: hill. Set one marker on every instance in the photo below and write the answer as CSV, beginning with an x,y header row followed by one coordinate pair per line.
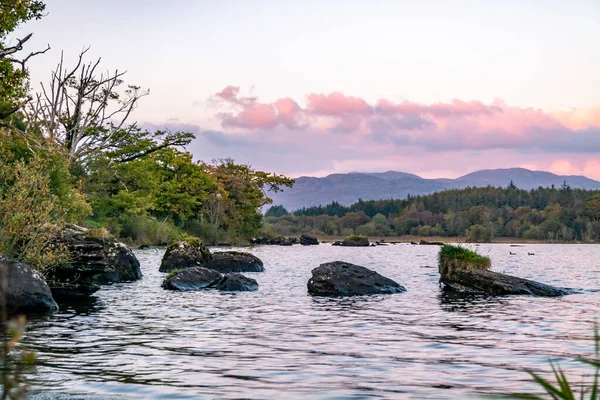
x,y
348,188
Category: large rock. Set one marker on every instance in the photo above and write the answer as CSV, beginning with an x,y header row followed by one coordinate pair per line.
x,y
356,241
463,270
236,282
481,281
193,278
184,254
340,278
234,261
24,289
94,260
308,240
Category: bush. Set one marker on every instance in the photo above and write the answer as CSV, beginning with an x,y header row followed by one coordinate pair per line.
x,y
146,230
458,258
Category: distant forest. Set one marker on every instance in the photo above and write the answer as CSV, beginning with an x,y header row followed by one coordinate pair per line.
x,y
476,213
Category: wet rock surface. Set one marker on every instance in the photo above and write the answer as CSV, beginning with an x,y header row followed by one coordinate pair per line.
x,y
494,283
236,282
24,289
234,261
340,278
193,278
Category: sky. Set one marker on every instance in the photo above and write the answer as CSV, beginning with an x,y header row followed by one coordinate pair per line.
x,y
314,87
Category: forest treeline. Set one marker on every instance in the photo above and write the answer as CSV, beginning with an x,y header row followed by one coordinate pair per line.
x,y
476,213
71,153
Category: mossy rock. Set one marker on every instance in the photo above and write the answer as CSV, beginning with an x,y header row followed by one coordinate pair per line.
x,y
185,254
453,258
356,241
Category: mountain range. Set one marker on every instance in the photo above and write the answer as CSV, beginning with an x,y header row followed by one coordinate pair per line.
x,y
349,188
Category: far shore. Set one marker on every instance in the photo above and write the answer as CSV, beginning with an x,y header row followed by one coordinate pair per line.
x,y
445,239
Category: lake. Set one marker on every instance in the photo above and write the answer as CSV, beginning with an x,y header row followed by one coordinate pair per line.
x,y
136,340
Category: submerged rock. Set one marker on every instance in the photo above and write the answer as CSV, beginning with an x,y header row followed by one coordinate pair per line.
x,y
463,270
308,240
236,282
340,278
24,289
184,254
356,241
193,278
234,261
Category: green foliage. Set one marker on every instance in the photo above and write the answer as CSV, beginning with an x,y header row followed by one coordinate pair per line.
x,y
355,238
478,214
146,230
36,199
563,388
276,211
453,258
172,273
14,79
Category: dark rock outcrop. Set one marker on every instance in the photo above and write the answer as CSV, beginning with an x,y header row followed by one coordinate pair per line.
x,y
481,281
234,261
93,261
236,282
308,240
193,278
340,278
356,241
24,289
184,254
336,243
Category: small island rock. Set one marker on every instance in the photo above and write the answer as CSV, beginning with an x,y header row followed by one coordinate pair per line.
x,y
340,278
184,254
308,240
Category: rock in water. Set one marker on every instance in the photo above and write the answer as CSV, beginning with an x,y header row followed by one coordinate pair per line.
x,y
494,283
26,290
236,282
465,271
184,254
234,261
93,261
356,241
340,278
308,240
193,278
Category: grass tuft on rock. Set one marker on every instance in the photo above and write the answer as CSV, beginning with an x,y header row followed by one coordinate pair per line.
x,y
452,258
355,238
173,273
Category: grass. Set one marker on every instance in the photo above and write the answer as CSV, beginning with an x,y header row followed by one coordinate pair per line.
x,y
453,258
355,238
563,389
173,273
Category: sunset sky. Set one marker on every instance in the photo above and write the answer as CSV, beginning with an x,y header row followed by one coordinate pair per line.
x,y
435,88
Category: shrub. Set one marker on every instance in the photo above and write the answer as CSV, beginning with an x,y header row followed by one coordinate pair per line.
x,y
458,258
146,230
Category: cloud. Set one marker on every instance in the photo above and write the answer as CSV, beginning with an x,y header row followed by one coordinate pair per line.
x,y
327,133
437,127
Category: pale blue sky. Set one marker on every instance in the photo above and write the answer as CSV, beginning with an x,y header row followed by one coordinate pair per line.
x,y
541,54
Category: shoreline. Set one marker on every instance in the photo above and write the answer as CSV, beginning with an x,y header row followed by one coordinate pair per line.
x,y
446,239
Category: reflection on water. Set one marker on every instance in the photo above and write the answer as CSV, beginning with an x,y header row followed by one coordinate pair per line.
x,y
136,340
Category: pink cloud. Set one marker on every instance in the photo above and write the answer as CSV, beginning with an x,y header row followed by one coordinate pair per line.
x,y
438,127
336,104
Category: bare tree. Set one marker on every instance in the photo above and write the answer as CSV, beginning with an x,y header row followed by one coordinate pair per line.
x,y
83,111
8,54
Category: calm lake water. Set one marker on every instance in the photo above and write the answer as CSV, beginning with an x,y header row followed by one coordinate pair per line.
x,y
139,341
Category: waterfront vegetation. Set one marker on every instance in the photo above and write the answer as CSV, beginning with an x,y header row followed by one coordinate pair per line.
x,y
473,214
72,154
